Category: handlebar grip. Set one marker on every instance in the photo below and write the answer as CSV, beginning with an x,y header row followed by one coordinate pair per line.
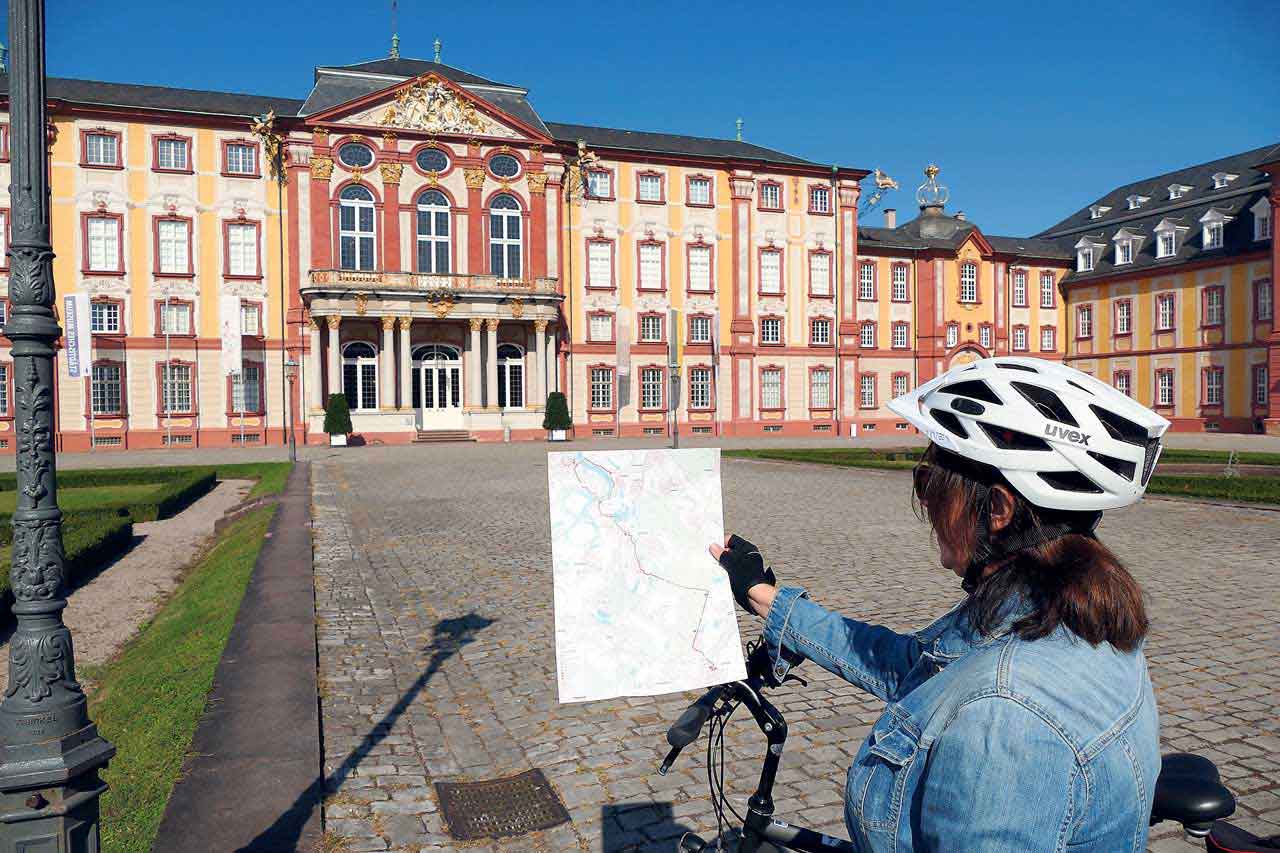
x,y
685,730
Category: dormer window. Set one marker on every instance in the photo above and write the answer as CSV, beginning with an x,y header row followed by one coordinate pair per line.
x,y
1087,254
1097,211
1214,223
1137,201
1168,236
1178,191
1127,244
1221,179
1262,224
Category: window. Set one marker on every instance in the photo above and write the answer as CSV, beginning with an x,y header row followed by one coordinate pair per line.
x,y
172,154
510,377
101,149
242,249
504,166
1262,220
434,247
651,388
899,384
4,313
771,388
1166,244
1124,252
1213,235
246,389
649,188
1120,379
1221,179
1097,211
820,389
1213,386
103,236
504,236
1213,310
600,264
601,328
1046,290
771,330
968,282
1136,201
699,387
651,266
173,247
820,331
1124,317
1084,321
700,191
953,335
355,155
360,376
1048,342
771,271
251,319
241,158
1164,312
602,388
356,228
175,318
175,388
104,389
1019,338
650,328
4,239
1164,387
1261,385
1177,191
984,336
1263,309
600,183
699,330
770,196
867,391
901,335
104,318
1084,260
1019,288
699,258
866,281
819,273
4,390
867,335
900,293
433,161
819,199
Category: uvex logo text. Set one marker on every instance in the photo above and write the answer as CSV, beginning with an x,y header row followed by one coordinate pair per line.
x,y
1072,435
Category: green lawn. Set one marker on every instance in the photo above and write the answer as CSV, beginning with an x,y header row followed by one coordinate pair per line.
x,y
148,700
90,497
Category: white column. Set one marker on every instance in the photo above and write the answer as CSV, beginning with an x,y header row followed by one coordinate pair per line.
x,y
491,367
334,367
471,366
538,385
313,378
553,361
387,364
406,366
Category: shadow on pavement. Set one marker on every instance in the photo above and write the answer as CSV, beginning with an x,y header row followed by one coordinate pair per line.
x,y
630,826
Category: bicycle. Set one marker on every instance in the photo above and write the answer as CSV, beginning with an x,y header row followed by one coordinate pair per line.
x,y
1188,790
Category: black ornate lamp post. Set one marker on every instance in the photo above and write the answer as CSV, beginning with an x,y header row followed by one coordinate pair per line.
x,y
291,373
50,753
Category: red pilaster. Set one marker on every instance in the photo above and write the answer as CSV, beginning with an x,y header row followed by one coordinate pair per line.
x,y
538,224
391,225
321,228
475,222
927,296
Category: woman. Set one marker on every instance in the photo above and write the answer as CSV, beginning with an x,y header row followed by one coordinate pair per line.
x,y
1023,719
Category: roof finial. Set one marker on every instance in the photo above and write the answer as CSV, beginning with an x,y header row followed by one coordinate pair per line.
x,y
437,47
739,125
395,35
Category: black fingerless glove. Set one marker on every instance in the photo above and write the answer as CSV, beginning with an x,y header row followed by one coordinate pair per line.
x,y
745,567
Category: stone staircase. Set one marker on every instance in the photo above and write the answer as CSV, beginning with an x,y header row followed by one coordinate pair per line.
x,y
436,436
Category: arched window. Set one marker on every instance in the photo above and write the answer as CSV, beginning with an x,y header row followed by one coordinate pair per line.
x,y
360,376
437,377
433,231
355,228
504,237
510,377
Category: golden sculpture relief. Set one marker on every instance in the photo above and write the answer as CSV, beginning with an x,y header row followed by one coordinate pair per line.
x,y
442,306
540,326
321,168
404,323
474,178
517,307
491,324
362,304
535,151
388,139
388,323
312,324
333,320
321,135
357,174
537,182
391,172
434,107
476,323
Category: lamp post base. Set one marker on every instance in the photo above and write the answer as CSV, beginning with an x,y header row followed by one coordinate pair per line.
x,y
49,793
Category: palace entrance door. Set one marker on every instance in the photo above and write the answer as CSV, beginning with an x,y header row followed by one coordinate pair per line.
x,y
437,387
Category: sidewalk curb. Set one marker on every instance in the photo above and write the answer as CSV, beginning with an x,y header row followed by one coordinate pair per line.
x,y
251,781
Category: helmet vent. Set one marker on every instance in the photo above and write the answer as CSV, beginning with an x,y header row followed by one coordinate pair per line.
x,y
1070,481
1121,428
1081,387
1149,464
973,388
1046,402
1123,467
949,422
1011,366
1011,439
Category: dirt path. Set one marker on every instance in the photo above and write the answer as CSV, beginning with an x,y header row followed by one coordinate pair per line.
x,y
105,612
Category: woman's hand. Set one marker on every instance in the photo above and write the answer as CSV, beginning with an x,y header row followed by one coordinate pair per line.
x,y
753,584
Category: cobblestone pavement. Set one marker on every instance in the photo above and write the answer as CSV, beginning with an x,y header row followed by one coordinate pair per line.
x,y
436,655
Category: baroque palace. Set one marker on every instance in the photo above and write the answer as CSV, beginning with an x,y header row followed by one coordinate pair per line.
x,y
445,258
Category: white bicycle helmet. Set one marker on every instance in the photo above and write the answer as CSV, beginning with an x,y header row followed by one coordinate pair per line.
x,y
1060,437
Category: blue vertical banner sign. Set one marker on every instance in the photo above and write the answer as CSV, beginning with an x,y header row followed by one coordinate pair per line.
x,y
75,312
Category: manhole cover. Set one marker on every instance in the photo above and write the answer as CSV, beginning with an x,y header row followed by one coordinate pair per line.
x,y
500,808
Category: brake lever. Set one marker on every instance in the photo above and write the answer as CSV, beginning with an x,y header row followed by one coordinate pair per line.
x,y
791,677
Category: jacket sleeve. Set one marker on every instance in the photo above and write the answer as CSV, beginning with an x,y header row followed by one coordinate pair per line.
x,y
870,656
998,778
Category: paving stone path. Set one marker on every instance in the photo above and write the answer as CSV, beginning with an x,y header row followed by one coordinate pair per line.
x,y
434,605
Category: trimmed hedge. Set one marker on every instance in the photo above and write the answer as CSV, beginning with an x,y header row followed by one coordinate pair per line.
x,y
169,498
88,540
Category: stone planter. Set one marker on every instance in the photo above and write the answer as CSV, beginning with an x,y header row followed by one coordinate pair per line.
x,y
338,440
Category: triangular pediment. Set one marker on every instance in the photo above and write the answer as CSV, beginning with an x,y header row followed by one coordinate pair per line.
x,y
979,242
429,104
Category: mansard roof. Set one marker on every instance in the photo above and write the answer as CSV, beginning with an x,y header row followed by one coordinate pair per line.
x,y
949,233
670,143
135,96
406,68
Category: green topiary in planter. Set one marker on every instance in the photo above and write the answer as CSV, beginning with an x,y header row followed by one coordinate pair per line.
x,y
337,417
557,416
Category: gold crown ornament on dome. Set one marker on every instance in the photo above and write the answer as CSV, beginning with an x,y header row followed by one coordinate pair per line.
x,y
930,193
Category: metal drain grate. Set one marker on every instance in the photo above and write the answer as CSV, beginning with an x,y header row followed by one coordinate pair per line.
x,y
500,808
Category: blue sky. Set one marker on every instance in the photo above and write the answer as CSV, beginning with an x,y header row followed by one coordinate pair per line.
x,y
1032,110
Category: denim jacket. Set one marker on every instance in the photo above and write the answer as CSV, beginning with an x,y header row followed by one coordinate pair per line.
x,y
987,743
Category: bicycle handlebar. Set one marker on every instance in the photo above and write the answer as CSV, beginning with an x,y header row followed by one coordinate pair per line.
x,y
685,730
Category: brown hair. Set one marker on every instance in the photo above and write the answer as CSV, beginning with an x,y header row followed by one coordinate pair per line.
x,y
1073,580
